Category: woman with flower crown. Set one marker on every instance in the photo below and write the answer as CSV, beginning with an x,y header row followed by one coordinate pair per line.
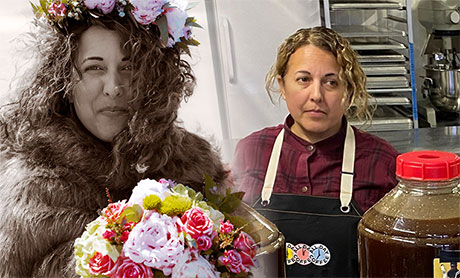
x,y
98,113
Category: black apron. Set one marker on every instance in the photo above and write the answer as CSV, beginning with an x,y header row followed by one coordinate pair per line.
x,y
320,232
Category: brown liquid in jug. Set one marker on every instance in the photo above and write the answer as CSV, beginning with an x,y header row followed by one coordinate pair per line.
x,y
402,247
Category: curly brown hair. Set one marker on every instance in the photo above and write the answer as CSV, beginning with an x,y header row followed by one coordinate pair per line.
x,y
161,80
350,70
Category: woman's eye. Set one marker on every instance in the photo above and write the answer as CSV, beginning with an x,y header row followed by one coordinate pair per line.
x,y
332,83
303,79
127,68
93,68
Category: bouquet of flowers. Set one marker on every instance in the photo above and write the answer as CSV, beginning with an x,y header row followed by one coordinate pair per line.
x,y
167,230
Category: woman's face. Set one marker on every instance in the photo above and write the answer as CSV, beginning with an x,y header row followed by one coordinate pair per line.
x,y
101,96
313,93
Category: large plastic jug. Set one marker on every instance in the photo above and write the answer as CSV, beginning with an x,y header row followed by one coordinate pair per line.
x,y
413,231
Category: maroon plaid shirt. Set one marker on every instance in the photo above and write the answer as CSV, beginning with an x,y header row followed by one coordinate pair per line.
x,y
314,169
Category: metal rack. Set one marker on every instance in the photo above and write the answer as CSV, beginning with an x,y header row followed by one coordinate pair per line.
x,y
381,32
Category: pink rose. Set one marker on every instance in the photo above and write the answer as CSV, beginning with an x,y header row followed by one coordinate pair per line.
x,y
126,268
109,235
100,264
245,243
146,12
204,242
124,236
247,260
225,227
233,261
57,9
196,223
106,6
113,210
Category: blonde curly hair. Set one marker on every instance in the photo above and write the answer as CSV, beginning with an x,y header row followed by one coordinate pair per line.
x,y
350,71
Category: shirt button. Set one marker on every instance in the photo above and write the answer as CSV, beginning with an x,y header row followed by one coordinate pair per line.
x,y
304,189
310,147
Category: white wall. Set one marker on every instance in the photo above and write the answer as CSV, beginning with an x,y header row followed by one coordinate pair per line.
x,y
200,114
14,20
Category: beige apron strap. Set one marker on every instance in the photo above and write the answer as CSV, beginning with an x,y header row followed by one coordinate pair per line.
x,y
346,180
271,170
348,163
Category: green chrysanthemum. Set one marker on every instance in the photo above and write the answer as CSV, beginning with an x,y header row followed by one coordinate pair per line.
x,y
151,202
174,205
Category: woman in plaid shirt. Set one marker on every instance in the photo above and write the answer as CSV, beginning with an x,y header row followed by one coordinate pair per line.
x,y
309,181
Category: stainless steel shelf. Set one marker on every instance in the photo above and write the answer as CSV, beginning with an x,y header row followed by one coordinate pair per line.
x,y
384,69
381,58
385,124
379,82
385,118
389,90
366,5
377,46
393,100
383,54
351,31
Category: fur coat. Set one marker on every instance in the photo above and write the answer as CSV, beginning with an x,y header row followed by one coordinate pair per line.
x,y
52,189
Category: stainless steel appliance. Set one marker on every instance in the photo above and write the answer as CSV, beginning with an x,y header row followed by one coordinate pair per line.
x,y
381,32
441,82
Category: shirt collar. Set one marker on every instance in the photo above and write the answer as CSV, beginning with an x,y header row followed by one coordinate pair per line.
x,y
332,143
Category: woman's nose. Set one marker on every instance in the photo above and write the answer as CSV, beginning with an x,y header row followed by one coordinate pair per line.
x,y
114,86
315,93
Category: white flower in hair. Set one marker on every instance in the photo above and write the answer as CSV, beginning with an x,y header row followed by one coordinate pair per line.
x,y
181,4
176,22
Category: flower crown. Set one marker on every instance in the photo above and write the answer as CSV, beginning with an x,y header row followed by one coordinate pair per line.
x,y
167,16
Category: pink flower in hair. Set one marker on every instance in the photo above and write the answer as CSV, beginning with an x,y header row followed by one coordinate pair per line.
x,y
146,12
106,6
57,10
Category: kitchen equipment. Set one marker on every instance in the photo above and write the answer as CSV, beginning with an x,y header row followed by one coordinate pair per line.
x,y
441,18
415,227
442,86
380,31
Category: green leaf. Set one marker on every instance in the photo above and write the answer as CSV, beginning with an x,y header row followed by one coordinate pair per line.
x,y
34,9
163,26
210,185
43,4
236,220
131,214
193,42
231,201
190,21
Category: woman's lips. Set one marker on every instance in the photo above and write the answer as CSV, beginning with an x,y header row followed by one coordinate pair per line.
x,y
114,110
315,112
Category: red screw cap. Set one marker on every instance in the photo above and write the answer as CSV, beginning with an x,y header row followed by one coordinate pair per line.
x,y
428,165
